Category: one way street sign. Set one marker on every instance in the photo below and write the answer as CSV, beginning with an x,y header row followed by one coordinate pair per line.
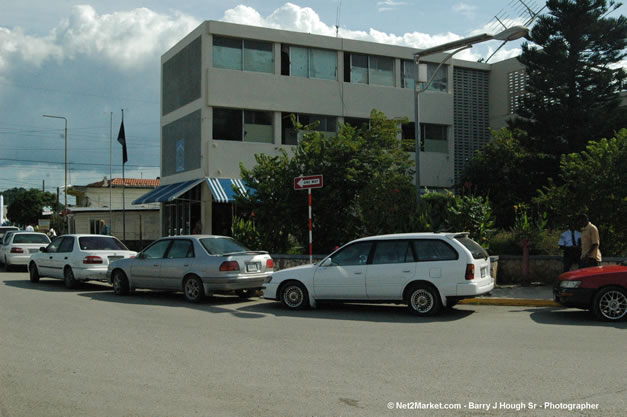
x,y
308,182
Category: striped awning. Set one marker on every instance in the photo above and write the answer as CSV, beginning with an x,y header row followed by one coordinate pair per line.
x,y
169,192
223,189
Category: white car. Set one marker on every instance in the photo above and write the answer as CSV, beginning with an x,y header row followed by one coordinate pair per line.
x,y
427,271
74,258
17,247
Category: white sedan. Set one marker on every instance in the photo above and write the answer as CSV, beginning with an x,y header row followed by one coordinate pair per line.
x,y
18,247
74,258
426,271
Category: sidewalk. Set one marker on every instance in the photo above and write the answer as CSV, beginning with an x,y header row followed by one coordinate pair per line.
x,y
516,295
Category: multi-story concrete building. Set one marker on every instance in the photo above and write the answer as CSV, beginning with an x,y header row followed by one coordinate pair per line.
x,y
227,93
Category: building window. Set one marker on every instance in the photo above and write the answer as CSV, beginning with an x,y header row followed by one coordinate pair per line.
x,y
242,125
319,123
439,82
239,54
365,69
434,138
297,61
96,227
357,122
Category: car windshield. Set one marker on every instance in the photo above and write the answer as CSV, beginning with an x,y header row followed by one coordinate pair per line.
x,y
475,249
100,243
222,245
30,238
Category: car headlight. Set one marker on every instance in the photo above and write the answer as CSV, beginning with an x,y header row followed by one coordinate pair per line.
x,y
570,284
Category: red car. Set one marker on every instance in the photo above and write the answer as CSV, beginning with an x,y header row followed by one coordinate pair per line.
x,y
602,289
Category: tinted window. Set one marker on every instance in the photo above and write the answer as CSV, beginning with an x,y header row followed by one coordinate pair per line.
x,y
181,249
157,250
434,250
355,254
54,246
30,238
475,249
100,243
392,252
222,246
67,244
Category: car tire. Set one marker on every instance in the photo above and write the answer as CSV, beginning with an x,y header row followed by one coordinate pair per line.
x,y
68,278
294,296
194,290
247,293
424,300
119,281
610,304
33,272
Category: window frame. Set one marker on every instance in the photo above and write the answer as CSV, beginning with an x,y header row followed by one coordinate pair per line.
x,y
440,241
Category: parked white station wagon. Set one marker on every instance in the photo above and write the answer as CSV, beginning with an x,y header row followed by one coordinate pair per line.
x,y
427,271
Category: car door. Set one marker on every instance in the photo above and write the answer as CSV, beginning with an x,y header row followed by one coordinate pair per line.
x,y
176,263
146,267
61,257
438,262
343,276
392,267
44,259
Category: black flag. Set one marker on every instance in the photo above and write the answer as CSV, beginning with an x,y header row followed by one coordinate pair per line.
x,y
122,140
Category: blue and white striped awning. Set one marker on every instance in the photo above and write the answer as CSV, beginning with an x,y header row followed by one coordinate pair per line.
x,y
169,192
223,189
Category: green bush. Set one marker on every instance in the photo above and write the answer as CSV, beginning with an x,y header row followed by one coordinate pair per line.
x,y
504,242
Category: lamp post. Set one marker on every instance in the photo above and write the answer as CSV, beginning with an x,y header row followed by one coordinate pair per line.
x,y
65,184
513,33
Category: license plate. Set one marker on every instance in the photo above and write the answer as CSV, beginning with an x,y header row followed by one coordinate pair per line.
x,y
252,267
484,272
33,250
115,258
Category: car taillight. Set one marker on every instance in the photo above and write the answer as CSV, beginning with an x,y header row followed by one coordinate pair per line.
x,y
92,260
470,272
270,264
17,250
229,266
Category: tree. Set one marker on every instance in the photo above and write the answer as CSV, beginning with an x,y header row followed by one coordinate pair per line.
x,y
26,205
593,182
364,169
507,173
573,82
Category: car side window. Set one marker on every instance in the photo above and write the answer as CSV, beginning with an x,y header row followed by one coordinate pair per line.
x,y
181,249
157,251
429,250
392,252
355,254
66,245
54,246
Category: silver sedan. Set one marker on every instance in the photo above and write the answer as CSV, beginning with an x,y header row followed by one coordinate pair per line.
x,y
198,265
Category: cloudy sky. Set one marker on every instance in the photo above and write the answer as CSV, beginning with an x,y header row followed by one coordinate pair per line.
x,y
89,59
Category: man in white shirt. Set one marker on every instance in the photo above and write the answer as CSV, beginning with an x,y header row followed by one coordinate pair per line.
x,y
570,243
30,228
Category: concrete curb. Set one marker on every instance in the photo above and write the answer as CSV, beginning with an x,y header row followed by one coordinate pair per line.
x,y
518,302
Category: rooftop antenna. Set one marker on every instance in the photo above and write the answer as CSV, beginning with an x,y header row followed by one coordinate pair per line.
x,y
337,19
524,9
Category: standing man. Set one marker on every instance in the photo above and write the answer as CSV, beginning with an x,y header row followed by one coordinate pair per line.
x,y
590,242
570,243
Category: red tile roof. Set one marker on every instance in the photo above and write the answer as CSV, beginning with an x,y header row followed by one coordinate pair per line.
x,y
129,182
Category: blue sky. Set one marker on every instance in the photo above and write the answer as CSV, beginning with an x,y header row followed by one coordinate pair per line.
x,y
86,60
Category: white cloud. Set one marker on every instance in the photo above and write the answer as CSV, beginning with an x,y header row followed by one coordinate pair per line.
x,y
387,5
465,9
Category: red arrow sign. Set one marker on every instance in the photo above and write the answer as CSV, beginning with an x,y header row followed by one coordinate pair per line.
x,y
306,182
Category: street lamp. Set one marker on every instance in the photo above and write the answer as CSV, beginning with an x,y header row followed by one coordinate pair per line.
x,y
510,34
65,186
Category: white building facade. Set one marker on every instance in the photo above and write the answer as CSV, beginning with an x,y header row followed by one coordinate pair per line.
x,y
228,91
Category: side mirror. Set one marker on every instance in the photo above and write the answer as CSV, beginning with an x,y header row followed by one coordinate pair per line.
x,y
140,255
327,262
43,249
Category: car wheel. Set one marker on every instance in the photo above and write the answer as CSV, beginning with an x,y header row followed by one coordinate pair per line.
x,y
294,296
120,283
424,300
610,304
194,290
33,272
68,278
247,293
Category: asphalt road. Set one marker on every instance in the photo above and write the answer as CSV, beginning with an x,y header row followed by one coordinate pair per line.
x,y
86,352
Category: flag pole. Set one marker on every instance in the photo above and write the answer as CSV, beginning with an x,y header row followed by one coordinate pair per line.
x,y
123,190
